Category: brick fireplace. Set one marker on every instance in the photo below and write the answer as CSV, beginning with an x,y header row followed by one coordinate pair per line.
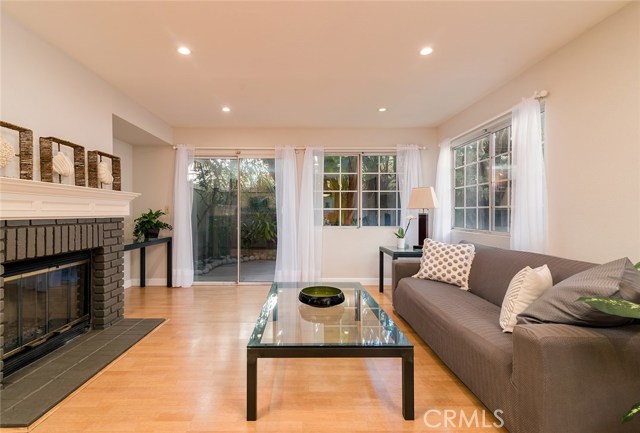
x,y
40,220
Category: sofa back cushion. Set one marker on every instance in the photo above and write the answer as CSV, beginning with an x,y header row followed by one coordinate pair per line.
x,y
493,268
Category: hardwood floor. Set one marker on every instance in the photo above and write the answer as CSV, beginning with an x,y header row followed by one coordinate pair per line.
x,y
189,375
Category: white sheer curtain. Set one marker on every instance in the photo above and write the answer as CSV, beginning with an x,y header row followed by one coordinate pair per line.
x,y
409,177
182,234
442,214
287,268
310,215
528,188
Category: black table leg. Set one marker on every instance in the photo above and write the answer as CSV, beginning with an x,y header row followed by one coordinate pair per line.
x,y
143,259
169,264
407,385
252,386
381,272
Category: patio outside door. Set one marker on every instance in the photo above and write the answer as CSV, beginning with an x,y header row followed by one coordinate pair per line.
x,y
234,219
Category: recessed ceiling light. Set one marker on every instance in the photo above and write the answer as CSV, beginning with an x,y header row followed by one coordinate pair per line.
x,y
382,109
184,51
226,109
426,51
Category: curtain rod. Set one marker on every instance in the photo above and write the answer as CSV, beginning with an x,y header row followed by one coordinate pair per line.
x,y
326,149
536,95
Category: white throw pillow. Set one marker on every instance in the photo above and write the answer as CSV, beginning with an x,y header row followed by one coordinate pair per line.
x,y
449,263
525,287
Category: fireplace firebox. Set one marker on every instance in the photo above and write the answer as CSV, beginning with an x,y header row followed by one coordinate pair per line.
x,y
46,303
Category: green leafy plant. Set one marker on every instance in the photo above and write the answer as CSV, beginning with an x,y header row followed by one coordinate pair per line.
x,y
622,308
149,224
401,233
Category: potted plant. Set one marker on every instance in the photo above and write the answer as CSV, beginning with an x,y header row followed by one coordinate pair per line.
x,y
622,308
401,233
148,225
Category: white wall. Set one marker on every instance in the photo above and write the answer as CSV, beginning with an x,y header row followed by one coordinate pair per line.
x,y
45,90
592,138
153,178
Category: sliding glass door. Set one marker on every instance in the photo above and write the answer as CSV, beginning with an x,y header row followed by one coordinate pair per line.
x,y
234,219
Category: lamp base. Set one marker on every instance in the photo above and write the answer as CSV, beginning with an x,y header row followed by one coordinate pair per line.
x,y
423,228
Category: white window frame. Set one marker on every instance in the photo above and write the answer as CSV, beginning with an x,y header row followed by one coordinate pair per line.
x,y
360,191
476,135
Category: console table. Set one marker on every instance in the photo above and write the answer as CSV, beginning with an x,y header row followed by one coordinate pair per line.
x,y
395,253
142,246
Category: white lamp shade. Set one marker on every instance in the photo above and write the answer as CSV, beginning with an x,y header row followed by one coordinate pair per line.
x,y
423,197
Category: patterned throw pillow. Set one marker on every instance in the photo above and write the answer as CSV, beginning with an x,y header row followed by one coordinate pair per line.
x,y
446,262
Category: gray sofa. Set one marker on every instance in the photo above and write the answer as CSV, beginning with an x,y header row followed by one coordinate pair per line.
x,y
546,378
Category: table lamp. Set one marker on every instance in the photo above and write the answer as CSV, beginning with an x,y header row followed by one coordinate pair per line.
x,y
423,197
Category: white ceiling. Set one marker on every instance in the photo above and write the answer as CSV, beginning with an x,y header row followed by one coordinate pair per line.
x,y
306,63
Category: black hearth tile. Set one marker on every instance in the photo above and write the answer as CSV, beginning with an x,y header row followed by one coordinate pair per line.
x,y
20,415
21,389
7,405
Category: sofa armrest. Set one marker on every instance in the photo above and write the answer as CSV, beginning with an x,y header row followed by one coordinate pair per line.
x,y
403,268
575,379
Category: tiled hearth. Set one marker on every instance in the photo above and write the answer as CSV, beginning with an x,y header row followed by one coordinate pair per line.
x,y
37,238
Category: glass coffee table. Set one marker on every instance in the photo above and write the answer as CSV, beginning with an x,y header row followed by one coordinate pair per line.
x,y
357,328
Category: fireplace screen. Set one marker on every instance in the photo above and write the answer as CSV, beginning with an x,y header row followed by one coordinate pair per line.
x,y
44,302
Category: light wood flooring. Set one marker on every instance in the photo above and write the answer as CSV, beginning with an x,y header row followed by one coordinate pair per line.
x,y
189,375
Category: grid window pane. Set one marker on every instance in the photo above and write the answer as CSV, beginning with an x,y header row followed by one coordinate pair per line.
x,y
370,164
483,195
387,164
331,199
388,182
459,157
369,182
501,220
459,218
484,172
332,217
502,194
331,164
471,173
503,141
349,199
388,217
369,217
331,182
471,196
349,164
388,200
471,152
459,177
369,200
349,182
349,217
471,219
483,218
459,197
483,150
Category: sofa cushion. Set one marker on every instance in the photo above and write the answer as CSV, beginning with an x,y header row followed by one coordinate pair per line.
x,y
560,305
446,262
525,287
493,268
